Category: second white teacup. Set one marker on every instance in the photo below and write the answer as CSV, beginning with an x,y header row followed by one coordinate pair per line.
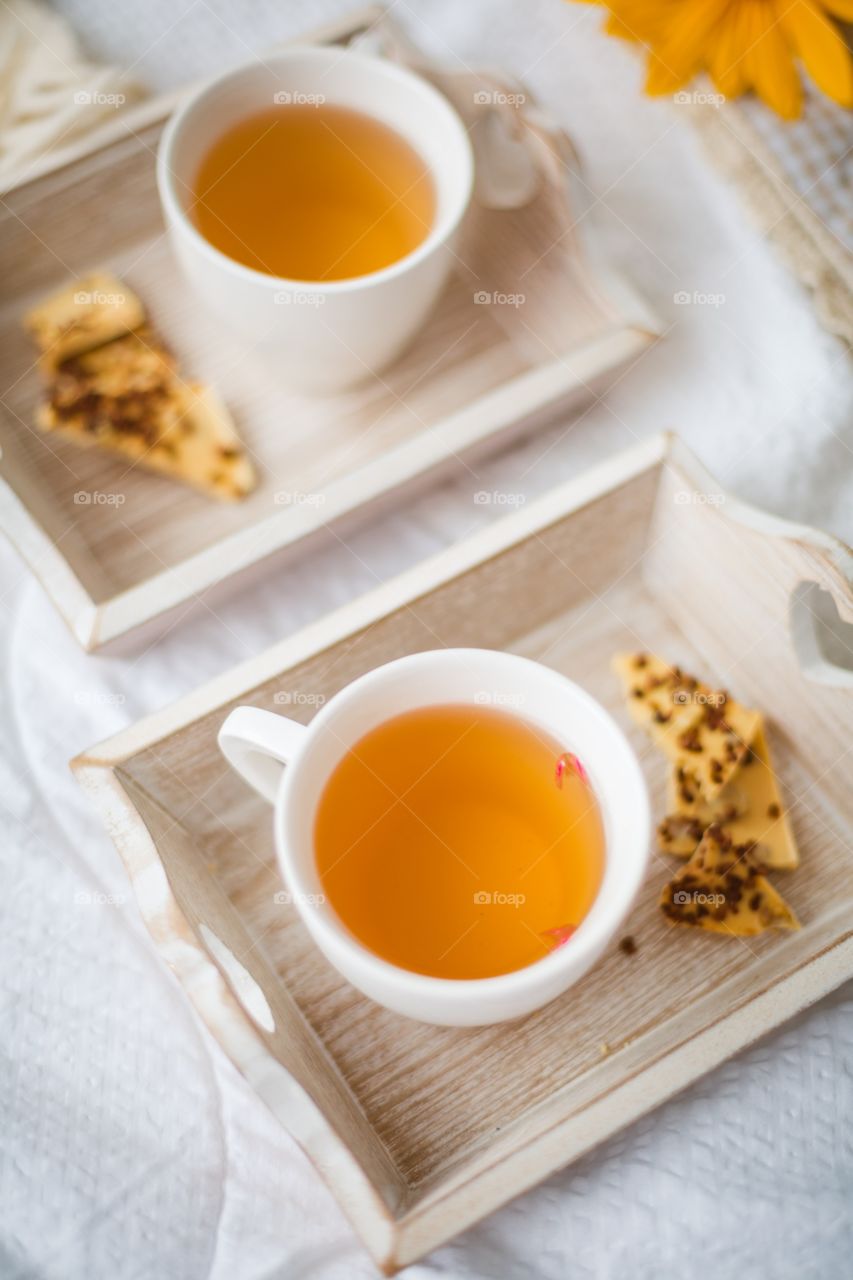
x,y
320,336
290,763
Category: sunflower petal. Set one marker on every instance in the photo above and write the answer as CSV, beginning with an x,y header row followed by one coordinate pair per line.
x,y
819,44
647,19
770,66
662,79
616,27
724,60
749,31
681,52
684,49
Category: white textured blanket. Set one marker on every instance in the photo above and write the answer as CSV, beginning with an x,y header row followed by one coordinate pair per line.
x,y
131,1150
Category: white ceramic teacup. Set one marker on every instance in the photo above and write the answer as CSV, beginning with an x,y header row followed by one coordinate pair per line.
x,y
289,764
321,336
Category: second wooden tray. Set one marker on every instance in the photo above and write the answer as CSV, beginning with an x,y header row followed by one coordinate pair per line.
x,y
418,1130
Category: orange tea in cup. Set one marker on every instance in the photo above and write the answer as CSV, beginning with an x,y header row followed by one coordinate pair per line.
x,y
313,192
459,841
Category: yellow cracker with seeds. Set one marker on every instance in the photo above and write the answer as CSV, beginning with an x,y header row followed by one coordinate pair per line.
x,y
126,397
749,808
660,697
710,750
680,834
85,314
722,889
702,731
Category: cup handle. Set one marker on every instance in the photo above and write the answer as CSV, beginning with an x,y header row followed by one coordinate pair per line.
x,y
258,744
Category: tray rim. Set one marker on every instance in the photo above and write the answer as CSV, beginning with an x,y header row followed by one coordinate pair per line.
x,y
466,1197
491,418
487,418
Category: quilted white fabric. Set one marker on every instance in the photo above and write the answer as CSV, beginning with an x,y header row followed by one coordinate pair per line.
x,y
131,1149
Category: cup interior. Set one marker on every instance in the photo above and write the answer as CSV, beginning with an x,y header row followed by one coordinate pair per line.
x,y
315,76
475,677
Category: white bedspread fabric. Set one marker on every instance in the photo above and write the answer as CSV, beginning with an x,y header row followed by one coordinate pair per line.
x,y
131,1149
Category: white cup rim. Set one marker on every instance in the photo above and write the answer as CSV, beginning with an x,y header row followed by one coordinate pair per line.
x,y
587,941
440,233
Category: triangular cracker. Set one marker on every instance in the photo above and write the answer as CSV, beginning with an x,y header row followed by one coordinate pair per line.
x,y
87,313
703,731
660,696
722,889
749,808
680,834
126,397
711,749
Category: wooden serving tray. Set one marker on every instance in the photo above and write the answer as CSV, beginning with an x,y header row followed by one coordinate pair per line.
x,y
420,1131
118,548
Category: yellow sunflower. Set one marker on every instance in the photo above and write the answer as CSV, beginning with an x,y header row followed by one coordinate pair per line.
x,y
742,44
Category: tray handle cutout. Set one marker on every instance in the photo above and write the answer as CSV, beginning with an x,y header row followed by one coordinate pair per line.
x,y
244,986
822,640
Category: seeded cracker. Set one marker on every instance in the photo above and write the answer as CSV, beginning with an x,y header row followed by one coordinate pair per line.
x,y
722,889
111,383
749,808
703,731
679,833
660,697
126,396
89,312
711,749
